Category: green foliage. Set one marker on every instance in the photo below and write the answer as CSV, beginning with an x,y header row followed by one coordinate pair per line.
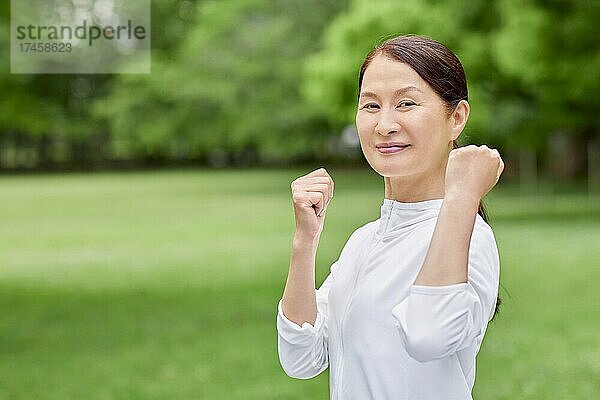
x,y
278,79
551,49
231,84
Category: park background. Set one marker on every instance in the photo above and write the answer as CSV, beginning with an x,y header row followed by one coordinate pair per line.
x,y
146,220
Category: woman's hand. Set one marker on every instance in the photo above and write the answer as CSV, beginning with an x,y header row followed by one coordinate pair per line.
x,y
311,195
472,171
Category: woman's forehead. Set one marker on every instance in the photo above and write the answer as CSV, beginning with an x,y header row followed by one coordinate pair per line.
x,y
384,74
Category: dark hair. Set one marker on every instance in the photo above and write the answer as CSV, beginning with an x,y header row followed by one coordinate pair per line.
x,y
439,67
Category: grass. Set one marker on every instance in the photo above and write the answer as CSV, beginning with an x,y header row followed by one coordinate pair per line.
x,y
153,285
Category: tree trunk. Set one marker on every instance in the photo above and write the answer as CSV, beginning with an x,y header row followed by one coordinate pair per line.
x,y
593,167
528,171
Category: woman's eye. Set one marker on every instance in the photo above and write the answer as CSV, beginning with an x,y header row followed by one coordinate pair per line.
x,y
406,103
371,106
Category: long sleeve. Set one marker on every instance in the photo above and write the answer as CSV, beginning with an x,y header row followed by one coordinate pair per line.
x,y
303,350
437,321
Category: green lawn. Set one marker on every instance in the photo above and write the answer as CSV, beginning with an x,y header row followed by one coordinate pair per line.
x,y
164,285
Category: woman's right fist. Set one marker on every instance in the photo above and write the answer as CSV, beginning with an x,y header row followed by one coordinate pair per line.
x,y
311,195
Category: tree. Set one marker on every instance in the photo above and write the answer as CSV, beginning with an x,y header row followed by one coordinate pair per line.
x,y
231,85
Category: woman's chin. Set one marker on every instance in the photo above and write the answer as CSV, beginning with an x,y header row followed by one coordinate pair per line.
x,y
388,168
391,170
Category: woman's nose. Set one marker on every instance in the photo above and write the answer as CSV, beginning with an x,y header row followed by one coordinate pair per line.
x,y
387,123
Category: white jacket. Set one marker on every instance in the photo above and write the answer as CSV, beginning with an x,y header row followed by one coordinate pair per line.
x,y
383,337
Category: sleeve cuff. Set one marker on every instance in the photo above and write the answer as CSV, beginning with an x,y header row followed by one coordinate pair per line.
x,y
288,328
399,311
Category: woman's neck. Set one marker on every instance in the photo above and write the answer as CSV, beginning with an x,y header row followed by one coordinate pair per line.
x,y
410,189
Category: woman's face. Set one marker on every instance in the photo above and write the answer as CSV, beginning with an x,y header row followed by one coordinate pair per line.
x,y
397,105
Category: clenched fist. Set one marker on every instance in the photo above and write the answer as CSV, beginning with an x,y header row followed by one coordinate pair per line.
x,y
311,195
473,171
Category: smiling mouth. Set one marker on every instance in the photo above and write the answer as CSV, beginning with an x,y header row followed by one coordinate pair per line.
x,y
392,149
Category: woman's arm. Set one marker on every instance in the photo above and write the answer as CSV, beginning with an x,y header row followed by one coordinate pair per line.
x,y
452,299
447,257
311,195
302,330
302,346
471,172
299,302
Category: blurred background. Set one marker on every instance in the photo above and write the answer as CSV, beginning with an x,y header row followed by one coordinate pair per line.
x,y
146,220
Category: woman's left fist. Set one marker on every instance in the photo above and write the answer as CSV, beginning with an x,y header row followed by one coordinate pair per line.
x,y
473,171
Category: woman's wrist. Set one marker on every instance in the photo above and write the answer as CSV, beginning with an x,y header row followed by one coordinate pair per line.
x,y
304,240
463,200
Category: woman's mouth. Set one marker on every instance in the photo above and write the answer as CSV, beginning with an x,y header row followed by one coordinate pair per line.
x,y
392,149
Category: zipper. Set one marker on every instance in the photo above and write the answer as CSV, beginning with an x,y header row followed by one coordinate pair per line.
x,y
373,242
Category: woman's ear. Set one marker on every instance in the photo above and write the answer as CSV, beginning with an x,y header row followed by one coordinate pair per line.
x,y
459,118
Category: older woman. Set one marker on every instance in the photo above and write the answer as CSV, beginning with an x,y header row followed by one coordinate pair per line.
x,y
404,310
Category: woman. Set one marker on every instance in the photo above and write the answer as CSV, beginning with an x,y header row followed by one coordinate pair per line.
x,y
403,312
